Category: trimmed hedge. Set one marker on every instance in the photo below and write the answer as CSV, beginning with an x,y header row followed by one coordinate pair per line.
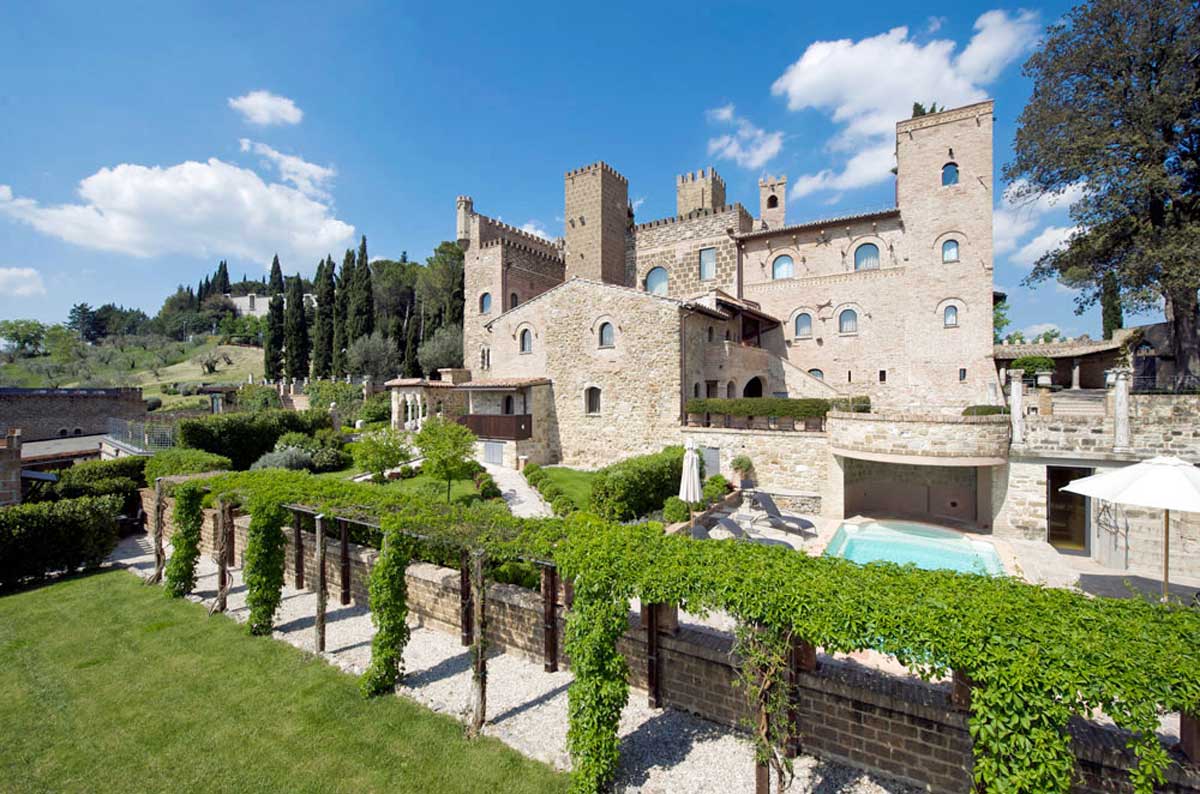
x,y
42,538
635,486
854,405
246,437
89,471
984,410
1032,364
170,462
760,406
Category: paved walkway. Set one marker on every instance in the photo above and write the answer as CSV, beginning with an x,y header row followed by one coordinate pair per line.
x,y
521,498
662,750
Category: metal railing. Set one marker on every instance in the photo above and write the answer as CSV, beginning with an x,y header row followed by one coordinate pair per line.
x,y
145,436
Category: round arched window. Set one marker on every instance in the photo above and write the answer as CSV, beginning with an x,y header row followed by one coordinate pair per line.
x,y
656,281
513,300
527,341
772,202
950,251
485,303
950,317
782,267
866,257
803,325
606,335
816,373
949,174
848,322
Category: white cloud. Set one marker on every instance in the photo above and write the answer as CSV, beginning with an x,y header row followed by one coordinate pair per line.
x,y
264,108
211,209
637,203
1017,217
309,178
536,228
866,86
20,282
749,146
1049,239
934,24
1037,329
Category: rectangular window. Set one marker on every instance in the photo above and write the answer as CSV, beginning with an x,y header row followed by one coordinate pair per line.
x,y
962,374
849,376
883,376
708,264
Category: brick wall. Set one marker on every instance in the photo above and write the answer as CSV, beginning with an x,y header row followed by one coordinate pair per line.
x,y
47,413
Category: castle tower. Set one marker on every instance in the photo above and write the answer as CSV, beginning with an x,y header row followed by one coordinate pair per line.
x,y
772,201
596,211
465,208
703,190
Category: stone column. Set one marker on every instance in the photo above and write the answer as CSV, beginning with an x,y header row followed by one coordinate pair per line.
x,y
1121,436
408,411
1016,405
395,410
1075,373
333,417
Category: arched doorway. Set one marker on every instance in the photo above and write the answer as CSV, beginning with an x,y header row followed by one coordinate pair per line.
x,y
753,387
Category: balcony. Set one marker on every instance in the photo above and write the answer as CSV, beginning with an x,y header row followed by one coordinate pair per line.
x,y
507,427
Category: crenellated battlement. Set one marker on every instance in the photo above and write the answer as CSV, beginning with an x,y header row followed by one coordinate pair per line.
x,y
599,165
771,181
704,174
521,246
505,230
693,215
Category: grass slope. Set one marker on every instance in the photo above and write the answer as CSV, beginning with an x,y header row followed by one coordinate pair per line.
x,y
576,484
110,686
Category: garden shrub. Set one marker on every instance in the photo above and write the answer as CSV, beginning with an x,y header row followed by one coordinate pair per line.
x,y
675,510
380,450
535,478
799,408
550,491
254,397
446,450
376,408
179,578
521,574
178,460
1032,364
531,469
984,410
245,437
298,441
286,458
637,486
132,467
123,488
329,437
562,505
153,404
486,485
266,547
389,612
715,488
329,459
323,392
38,539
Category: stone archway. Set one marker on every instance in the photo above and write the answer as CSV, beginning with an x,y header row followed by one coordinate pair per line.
x,y
753,387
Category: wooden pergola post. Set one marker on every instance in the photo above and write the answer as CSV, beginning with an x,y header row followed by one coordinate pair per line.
x,y
298,548
650,618
464,598
479,644
345,550
550,618
801,660
160,509
319,620
221,552
1189,737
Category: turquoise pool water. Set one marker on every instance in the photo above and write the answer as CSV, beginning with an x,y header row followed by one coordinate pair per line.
x,y
922,545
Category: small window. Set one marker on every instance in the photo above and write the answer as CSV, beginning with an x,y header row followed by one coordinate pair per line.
x,y
592,400
883,376
950,251
848,322
696,390
731,390
782,267
508,405
485,303
803,325
656,281
772,202
63,432
816,373
949,174
962,374
606,335
708,264
950,317
513,300
849,376
527,341
710,333
727,337
866,257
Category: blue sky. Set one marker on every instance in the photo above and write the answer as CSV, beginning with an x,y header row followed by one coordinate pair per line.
x,y
140,145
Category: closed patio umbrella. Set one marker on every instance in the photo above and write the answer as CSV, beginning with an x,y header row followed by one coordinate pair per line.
x,y
689,483
1164,483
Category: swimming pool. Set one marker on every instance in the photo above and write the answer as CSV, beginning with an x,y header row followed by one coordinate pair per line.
x,y
920,544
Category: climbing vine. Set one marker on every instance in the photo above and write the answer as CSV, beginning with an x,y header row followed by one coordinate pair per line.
x,y
266,547
389,611
180,575
764,652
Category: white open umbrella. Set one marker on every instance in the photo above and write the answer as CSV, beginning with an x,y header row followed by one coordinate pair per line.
x,y
1164,483
689,483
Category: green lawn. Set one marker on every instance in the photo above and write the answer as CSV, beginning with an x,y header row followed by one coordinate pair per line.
x,y
110,686
576,484
459,489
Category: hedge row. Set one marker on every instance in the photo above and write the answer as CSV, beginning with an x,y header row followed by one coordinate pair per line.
x,y
175,461
984,410
1032,364
46,537
245,437
637,486
760,406
90,471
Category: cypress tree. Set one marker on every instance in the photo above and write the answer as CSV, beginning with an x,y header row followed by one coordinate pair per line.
x,y
341,309
275,286
273,341
366,287
295,331
412,367
360,311
220,283
1111,314
322,353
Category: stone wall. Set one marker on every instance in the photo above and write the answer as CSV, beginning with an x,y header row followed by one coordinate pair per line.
x,y
10,467
910,435
873,488
675,244
790,462
596,219
55,413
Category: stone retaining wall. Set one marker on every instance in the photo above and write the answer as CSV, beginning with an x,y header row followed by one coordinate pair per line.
x,y
919,435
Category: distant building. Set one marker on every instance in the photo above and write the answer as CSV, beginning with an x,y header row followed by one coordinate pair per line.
x,y
257,305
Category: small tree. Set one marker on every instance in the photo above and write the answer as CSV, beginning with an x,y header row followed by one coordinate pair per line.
x,y
443,349
373,355
380,450
447,448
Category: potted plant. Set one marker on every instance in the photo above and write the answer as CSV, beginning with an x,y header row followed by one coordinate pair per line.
x,y
1043,378
743,466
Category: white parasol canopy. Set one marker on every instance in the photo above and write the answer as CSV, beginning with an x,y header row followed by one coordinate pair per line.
x,y
1165,483
689,483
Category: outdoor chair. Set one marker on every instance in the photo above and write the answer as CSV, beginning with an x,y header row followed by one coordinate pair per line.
x,y
731,528
777,519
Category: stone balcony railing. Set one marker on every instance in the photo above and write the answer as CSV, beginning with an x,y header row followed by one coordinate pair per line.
x,y
922,438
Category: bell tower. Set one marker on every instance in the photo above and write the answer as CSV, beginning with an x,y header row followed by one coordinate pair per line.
x,y
772,201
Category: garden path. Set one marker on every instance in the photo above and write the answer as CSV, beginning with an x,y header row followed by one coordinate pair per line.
x,y
522,499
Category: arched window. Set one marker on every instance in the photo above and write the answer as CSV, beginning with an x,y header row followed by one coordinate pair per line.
x,y
508,405
696,390
727,337
710,333
606,335
803,325
485,303
782,267
848,322
656,281
63,432
592,400
950,251
78,431
772,202
866,257
950,317
753,387
816,373
527,341
513,300
949,174
731,390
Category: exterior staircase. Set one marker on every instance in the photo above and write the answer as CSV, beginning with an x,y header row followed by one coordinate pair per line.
x,y
1080,402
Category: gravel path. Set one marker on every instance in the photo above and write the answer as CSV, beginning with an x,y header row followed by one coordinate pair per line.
x,y
662,750
522,499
